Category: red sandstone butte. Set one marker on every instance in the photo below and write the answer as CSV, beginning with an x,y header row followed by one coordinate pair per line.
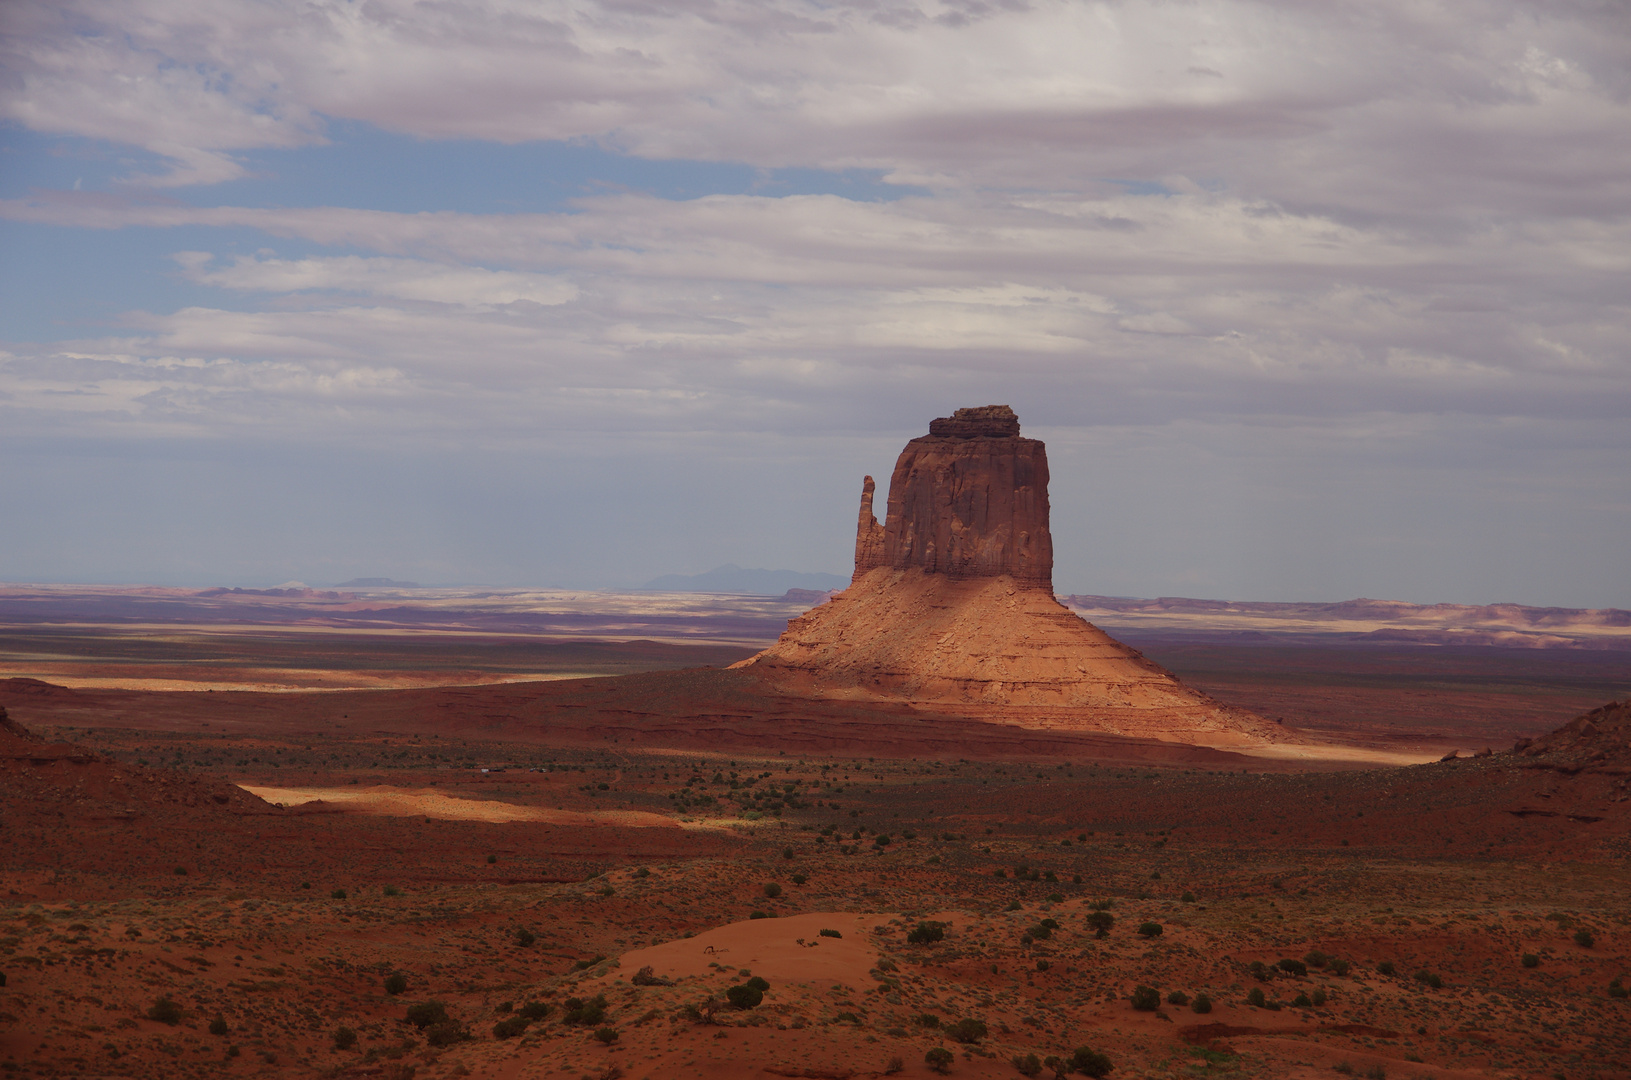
x,y
952,606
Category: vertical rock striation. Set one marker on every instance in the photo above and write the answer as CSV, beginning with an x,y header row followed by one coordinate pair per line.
x,y
969,500
952,607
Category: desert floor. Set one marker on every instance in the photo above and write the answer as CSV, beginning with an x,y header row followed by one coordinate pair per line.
x,y
657,821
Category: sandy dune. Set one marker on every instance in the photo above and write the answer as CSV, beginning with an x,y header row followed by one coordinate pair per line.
x,y
422,802
781,950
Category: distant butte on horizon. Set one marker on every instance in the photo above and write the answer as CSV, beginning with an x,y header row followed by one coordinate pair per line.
x,y
951,606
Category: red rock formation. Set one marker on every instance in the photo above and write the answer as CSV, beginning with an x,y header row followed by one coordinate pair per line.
x,y
969,500
952,607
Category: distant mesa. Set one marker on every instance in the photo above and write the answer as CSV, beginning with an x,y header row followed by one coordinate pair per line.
x,y
377,583
731,578
951,606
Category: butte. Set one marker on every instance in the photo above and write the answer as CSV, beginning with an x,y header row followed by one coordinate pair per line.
x,y
952,608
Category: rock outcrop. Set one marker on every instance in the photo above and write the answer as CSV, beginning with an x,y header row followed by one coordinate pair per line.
x,y
969,500
951,607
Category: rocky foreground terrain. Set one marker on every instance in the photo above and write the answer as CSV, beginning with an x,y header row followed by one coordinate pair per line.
x,y
1461,918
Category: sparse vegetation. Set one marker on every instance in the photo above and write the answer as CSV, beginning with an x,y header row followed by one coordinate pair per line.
x,y
165,1011
1146,999
939,1059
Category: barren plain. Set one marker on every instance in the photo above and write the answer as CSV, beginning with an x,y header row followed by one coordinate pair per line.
x,y
480,852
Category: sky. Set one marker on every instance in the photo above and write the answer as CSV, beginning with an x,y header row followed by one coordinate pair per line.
x,y
1308,301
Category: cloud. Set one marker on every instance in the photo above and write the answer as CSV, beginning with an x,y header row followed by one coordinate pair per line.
x,y
1351,104
399,279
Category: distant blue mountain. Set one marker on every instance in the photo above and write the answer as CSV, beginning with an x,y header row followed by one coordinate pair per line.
x,y
733,579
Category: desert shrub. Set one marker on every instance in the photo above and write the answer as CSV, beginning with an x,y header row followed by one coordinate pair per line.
x,y
182,870
1150,930
744,996
773,890
1146,999
643,872
787,852
927,1020
1188,897
939,1059
1376,1072
1100,922
396,983
510,1027
2,978
1302,1001
585,965
492,859
800,879
999,872
1616,988
759,984
926,933
584,1012
1339,967
1056,898
1043,965
524,937
426,1013
337,894
392,890
1201,1004
1292,967
1177,997
1319,998
218,1026
1014,905
1530,960
446,1033
831,933
1343,1067
1102,905
647,976
967,1030
344,1038
1090,1062
165,1011
1427,978
606,1035
1029,1065
1386,967
534,1010
1041,931
1583,938
1316,959
1256,997
1260,971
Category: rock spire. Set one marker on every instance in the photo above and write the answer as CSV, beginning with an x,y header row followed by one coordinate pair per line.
x,y
968,500
952,607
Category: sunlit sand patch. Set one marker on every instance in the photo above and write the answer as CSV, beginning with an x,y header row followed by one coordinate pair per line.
x,y
421,802
1337,752
788,950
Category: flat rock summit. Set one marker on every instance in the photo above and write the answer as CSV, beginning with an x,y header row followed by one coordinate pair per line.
x,y
952,606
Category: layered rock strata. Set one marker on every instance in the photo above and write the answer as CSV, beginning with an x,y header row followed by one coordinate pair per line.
x,y
952,606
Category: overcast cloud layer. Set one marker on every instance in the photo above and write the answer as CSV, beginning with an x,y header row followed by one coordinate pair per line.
x,y
1309,300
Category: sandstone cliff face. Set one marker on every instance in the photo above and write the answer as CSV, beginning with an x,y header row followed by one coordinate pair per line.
x,y
952,607
968,500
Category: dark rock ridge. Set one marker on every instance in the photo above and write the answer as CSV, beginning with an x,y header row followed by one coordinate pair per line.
x,y
968,500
